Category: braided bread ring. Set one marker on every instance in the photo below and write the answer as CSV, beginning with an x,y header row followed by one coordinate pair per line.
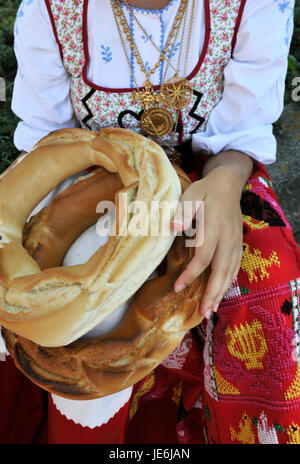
x,y
154,323
56,306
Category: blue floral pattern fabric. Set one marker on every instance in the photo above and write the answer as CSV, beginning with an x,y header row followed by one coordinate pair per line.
x,y
284,7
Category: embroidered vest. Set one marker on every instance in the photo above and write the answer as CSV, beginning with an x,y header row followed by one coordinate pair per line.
x,y
97,107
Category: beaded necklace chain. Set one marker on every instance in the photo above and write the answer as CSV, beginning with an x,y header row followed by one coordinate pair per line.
x,y
176,93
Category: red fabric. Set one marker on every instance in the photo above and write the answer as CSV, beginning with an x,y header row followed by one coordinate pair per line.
x,y
23,412
244,385
162,401
64,431
143,430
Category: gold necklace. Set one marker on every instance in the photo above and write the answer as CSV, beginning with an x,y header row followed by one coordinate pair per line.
x,y
118,12
177,92
171,34
157,121
177,98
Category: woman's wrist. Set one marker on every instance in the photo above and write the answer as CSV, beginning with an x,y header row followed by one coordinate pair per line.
x,y
229,170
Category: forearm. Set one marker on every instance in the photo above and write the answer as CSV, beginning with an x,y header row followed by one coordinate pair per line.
x,y
235,168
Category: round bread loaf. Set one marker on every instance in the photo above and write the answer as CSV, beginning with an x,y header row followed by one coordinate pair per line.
x,y
153,325
57,305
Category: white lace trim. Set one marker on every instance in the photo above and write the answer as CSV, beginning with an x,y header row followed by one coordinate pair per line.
x,y
92,413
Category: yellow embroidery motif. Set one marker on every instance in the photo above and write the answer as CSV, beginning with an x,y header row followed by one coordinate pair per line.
x,y
293,432
247,343
177,393
252,262
294,389
255,224
223,386
245,434
147,385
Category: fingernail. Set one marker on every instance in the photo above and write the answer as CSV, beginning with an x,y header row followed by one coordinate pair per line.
x,y
177,225
208,313
215,308
179,287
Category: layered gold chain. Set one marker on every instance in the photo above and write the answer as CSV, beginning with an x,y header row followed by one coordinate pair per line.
x,y
176,93
127,32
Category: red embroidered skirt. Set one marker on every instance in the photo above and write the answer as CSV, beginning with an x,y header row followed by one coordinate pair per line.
x,y
234,379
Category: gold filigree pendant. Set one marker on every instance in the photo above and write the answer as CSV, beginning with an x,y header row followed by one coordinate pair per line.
x,y
177,93
157,122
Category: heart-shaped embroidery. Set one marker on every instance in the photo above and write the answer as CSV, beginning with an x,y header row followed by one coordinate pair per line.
x,y
136,116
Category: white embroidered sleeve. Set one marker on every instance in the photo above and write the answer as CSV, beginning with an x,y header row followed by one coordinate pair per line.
x,y
254,84
41,94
